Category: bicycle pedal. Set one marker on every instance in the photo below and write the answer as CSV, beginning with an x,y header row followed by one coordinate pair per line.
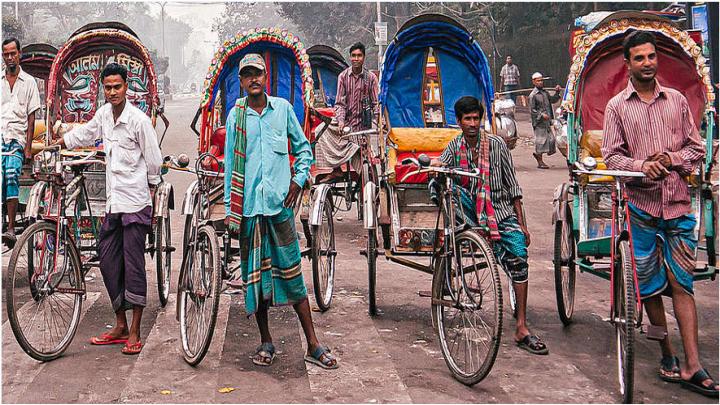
x,y
425,293
654,332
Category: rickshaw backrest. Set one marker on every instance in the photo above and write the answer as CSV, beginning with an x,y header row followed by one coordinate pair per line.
x,y
463,69
420,140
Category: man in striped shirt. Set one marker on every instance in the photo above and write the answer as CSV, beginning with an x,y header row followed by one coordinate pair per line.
x,y
506,197
650,128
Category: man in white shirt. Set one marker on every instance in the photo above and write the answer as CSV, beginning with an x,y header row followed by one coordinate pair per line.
x,y
133,161
20,100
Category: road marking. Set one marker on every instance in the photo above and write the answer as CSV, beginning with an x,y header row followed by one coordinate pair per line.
x,y
20,370
363,376
162,354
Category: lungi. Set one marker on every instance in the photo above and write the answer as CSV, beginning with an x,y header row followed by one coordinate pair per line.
x,y
511,250
11,168
544,140
660,245
270,260
122,257
333,151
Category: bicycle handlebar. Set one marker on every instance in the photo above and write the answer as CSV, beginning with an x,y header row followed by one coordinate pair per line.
x,y
614,173
445,170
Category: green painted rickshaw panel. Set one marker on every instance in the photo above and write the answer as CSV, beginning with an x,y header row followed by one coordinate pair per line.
x,y
594,247
587,267
710,119
709,217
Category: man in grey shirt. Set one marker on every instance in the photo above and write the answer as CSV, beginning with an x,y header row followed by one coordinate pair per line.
x,y
133,169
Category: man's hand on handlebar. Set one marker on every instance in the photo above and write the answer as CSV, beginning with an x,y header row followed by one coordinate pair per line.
x,y
654,170
59,141
663,158
436,163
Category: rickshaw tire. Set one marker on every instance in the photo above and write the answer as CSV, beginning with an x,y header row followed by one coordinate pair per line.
x,y
194,359
625,282
321,299
163,238
437,293
372,271
565,309
10,302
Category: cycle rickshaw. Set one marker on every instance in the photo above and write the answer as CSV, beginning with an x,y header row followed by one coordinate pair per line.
x,y
47,267
431,62
590,214
36,60
206,261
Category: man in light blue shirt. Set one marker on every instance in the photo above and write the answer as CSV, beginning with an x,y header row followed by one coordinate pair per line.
x,y
259,194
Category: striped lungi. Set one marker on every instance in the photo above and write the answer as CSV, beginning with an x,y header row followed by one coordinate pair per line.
x,y
270,260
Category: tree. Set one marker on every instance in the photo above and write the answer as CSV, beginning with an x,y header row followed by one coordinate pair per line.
x,y
12,28
239,17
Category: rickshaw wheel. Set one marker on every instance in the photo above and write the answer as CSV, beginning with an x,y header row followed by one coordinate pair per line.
x,y
199,296
323,257
624,305
467,309
372,270
163,258
564,263
41,338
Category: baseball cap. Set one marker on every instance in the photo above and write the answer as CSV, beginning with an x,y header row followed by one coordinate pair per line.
x,y
537,75
252,60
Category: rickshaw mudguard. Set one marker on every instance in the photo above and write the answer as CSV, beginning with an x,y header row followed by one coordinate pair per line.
x,y
188,200
164,200
560,202
369,215
318,204
36,194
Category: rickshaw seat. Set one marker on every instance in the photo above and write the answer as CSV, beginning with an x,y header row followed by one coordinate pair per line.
x,y
217,149
590,145
411,142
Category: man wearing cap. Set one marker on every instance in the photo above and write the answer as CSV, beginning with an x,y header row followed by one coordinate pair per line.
x,y
541,114
260,192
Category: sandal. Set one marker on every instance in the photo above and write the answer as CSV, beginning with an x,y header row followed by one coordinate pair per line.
x,y
696,384
543,166
131,349
532,344
107,339
670,369
264,354
321,357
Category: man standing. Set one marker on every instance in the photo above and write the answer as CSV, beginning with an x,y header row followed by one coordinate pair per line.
x,y
132,171
541,114
259,196
650,128
20,100
510,77
503,219
356,106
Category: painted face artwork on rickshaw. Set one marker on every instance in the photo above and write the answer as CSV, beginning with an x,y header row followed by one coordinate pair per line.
x,y
81,84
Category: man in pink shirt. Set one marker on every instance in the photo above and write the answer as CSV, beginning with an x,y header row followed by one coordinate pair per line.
x,y
650,128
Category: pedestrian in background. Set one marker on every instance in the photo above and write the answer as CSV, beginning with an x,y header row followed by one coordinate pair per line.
x,y
510,77
20,100
541,114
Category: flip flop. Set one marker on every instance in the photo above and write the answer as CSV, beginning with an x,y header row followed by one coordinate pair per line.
x,y
533,344
264,354
670,369
696,384
543,166
321,357
132,349
106,339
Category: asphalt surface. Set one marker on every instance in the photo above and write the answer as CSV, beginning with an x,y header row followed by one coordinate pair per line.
x,y
393,357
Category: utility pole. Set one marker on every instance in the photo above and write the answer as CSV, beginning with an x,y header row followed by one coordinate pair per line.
x,y
380,47
162,26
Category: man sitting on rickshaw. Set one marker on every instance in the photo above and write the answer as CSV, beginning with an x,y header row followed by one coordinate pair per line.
x,y
493,203
356,107
650,128
259,195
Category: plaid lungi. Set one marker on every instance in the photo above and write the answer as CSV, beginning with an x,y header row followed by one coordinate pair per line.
x,y
332,150
662,245
270,260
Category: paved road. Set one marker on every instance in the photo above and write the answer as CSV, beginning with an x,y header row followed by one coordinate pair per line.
x,y
393,357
